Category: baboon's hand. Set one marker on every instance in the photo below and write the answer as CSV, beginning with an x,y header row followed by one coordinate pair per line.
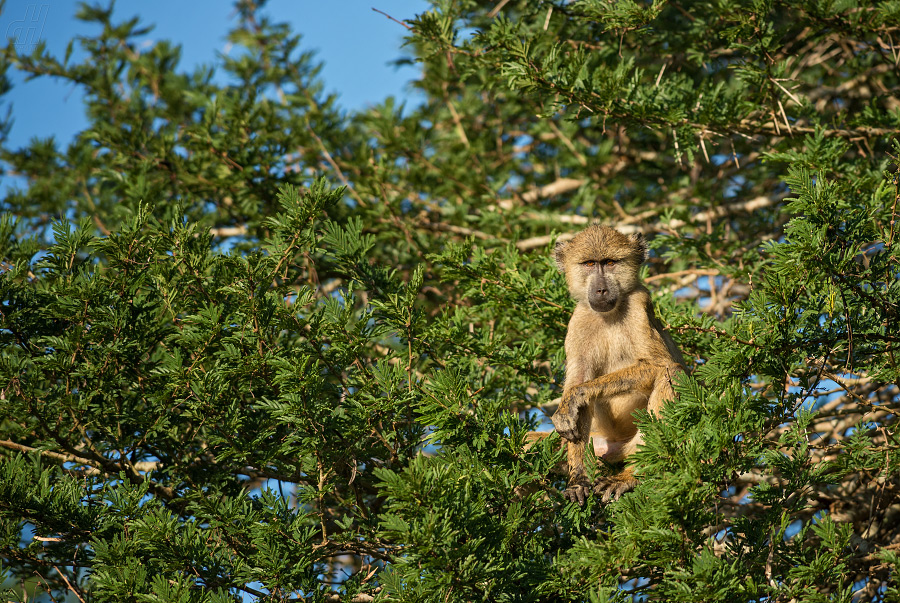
x,y
565,419
578,491
612,487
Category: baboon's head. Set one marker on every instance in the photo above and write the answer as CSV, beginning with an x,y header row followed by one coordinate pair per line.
x,y
601,265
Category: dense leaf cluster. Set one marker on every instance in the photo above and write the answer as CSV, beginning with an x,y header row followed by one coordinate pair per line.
x,y
255,347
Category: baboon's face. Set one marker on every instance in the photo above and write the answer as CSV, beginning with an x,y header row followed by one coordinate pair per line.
x,y
600,283
601,266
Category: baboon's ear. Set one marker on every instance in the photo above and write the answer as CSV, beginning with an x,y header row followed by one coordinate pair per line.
x,y
559,254
640,245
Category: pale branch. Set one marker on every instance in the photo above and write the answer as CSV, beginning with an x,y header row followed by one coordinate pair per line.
x,y
100,466
228,231
716,212
723,210
91,467
460,230
678,273
557,187
360,598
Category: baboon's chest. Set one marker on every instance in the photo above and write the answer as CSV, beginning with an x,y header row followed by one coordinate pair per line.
x,y
613,348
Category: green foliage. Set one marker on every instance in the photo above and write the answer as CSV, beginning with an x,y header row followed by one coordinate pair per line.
x,y
254,347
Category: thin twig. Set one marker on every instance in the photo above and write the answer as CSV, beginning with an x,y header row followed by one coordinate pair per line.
x,y
392,19
568,142
703,146
786,91
336,167
784,115
890,241
659,77
460,130
69,584
497,8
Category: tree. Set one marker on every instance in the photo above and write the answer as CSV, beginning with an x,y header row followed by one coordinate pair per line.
x,y
253,346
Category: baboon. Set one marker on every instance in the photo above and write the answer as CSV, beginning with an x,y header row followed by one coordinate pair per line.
x,y
618,356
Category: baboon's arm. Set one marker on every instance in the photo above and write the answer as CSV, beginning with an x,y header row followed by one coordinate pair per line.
x,y
639,376
642,376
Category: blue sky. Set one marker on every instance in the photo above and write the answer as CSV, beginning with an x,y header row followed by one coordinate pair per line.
x,y
354,43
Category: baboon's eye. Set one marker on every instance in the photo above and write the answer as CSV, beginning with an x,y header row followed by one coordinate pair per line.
x,y
608,262
589,263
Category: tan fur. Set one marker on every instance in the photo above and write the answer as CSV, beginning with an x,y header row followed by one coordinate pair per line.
x,y
618,356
